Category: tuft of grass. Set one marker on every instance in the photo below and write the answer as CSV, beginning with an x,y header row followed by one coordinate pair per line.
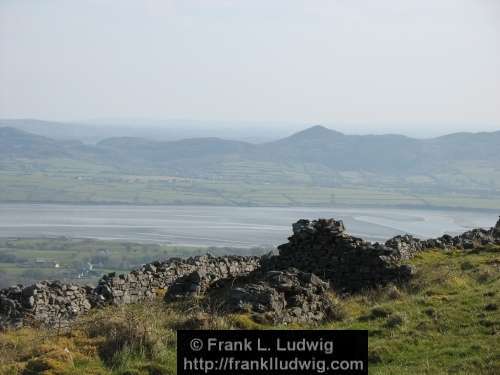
x,y
395,320
376,313
393,293
246,321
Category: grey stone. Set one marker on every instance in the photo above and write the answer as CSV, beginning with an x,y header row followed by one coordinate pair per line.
x,y
283,296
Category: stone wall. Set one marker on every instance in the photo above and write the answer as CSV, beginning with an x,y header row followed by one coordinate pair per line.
x,y
55,303
348,263
319,248
185,276
207,273
279,293
44,303
407,246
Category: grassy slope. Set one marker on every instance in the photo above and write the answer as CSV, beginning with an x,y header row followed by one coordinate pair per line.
x,y
446,321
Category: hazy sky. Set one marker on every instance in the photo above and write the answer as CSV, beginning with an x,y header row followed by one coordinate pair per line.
x,y
408,66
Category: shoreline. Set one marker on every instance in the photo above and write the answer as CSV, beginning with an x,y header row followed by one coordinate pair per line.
x,y
312,206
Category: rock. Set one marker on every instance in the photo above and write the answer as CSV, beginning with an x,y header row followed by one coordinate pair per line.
x,y
30,290
29,302
280,296
255,297
407,245
150,268
7,306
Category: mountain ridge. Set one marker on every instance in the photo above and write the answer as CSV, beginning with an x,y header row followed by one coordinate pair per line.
x,y
316,162
316,144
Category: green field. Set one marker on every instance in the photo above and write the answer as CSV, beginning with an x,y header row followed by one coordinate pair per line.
x,y
113,188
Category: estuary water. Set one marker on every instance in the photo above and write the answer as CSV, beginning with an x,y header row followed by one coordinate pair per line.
x,y
223,226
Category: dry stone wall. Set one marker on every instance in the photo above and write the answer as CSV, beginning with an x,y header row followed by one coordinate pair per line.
x,y
319,253
190,276
279,293
44,303
56,303
407,246
348,263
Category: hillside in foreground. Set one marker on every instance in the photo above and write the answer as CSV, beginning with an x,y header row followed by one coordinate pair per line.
x,y
446,320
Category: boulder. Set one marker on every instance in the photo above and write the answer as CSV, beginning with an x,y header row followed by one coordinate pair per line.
x,y
406,245
277,297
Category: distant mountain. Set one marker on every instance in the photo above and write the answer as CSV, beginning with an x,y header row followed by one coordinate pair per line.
x,y
465,146
317,155
346,152
15,143
91,132
313,134
59,130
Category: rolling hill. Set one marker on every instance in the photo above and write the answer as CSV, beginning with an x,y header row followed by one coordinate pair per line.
x,y
455,166
328,148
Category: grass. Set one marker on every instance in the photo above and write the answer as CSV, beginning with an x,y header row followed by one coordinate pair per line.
x,y
241,184
439,324
445,321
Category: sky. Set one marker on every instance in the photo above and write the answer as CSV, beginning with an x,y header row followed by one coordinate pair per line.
x,y
417,67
